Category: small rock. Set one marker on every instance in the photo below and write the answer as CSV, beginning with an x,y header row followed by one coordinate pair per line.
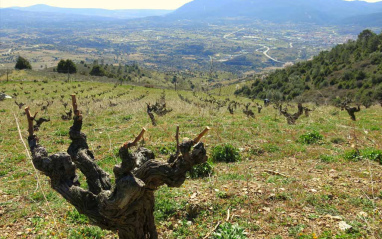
x,y
266,209
333,217
363,214
272,196
333,174
344,226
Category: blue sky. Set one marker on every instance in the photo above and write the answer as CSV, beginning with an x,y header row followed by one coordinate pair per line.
x,y
109,4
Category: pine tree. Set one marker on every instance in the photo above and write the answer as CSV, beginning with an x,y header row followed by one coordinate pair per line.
x,y
22,63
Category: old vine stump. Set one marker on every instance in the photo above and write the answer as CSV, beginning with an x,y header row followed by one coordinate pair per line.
x,y
126,207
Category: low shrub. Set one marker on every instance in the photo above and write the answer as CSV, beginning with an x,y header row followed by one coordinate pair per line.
x,y
310,138
225,153
353,155
202,170
369,153
372,154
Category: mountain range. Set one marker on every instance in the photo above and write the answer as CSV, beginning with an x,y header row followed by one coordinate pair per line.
x,y
313,11
95,12
336,12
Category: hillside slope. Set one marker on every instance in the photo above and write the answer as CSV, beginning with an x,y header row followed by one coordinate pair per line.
x,y
353,69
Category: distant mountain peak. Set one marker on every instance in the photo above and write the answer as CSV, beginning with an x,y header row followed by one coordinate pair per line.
x,y
315,11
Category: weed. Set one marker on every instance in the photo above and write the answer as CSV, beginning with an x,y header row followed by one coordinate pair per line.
x,y
38,223
183,230
75,217
166,149
337,140
271,148
364,202
256,151
353,155
225,153
39,197
310,138
375,128
165,206
202,170
61,132
87,232
372,154
357,155
228,230
127,118
232,176
222,194
294,231
277,237
327,158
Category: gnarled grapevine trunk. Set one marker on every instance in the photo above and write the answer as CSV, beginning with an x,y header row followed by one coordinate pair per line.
x,y
291,118
352,110
128,206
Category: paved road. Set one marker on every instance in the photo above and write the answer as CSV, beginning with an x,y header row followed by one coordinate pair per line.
x,y
266,54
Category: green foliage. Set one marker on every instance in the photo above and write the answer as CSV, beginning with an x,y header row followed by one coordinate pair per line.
x,y
98,71
22,63
372,154
66,66
360,57
167,149
225,153
87,232
337,140
165,205
369,153
229,231
294,231
353,155
310,138
165,208
75,217
256,151
327,158
202,170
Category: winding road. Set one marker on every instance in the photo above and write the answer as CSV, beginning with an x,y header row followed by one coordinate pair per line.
x,y
266,54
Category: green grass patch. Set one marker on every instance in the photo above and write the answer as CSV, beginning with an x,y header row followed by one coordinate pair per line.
x,y
74,216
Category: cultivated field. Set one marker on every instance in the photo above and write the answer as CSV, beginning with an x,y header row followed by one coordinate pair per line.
x,y
283,186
